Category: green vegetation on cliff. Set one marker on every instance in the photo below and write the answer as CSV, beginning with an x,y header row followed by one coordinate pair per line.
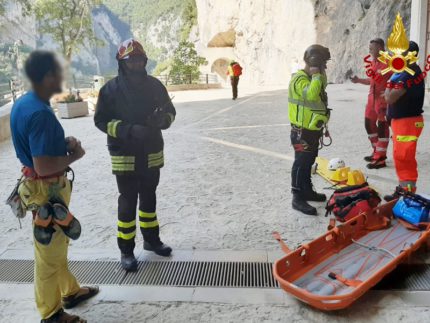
x,y
143,14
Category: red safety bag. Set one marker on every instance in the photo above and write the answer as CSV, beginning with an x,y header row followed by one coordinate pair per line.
x,y
348,202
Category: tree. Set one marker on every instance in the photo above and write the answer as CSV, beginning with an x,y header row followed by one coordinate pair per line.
x,y
186,63
68,22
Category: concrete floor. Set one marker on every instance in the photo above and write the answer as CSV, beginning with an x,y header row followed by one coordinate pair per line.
x,y
225,186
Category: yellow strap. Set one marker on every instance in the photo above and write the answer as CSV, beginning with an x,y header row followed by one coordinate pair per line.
x,y
407,138
126,225
419,124
148,225
127,236
147,215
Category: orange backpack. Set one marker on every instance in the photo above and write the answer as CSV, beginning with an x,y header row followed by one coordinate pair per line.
x,y
237,70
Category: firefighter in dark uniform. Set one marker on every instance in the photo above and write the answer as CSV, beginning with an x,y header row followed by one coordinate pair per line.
x,y
132,109
308,113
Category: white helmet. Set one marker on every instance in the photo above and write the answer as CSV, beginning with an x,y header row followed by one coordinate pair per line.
x,y
335,164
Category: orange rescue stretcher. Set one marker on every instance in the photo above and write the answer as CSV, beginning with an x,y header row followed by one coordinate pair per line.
x,y
334,270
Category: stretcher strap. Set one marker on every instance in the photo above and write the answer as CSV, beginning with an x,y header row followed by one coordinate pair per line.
x,y
373,248
345,281
278,238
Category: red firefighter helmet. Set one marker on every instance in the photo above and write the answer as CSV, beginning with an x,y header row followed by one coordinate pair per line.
x,y
129,48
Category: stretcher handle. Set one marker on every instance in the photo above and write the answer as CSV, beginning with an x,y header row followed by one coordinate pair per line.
x,y
385,224
281,242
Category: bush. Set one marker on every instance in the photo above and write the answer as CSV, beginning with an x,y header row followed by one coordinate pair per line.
x,y
71,98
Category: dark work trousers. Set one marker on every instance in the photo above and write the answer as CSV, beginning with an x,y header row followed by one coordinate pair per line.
x,y
131,189
305,143
234,83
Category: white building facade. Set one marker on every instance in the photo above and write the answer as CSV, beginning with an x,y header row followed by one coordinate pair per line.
x,y
420,30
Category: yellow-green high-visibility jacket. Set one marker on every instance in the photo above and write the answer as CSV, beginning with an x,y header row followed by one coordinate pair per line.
x,y
307,101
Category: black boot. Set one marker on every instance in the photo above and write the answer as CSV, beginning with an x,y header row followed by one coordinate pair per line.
x,y
391,197
300,204
128,262
377,163
368,158
313,196
159,248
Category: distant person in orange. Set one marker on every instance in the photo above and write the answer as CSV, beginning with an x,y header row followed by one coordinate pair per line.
x,y
405,96
234,71
375,122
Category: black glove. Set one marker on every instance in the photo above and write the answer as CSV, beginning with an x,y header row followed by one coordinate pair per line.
x,y
158,119
139,132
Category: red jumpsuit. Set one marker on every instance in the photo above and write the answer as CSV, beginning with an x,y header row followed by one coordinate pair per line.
x,y
376,110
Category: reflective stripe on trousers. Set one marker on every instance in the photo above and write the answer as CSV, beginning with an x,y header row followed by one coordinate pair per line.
x,y
406,132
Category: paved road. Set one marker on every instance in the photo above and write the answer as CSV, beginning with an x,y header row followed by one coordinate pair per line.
x,y
225,186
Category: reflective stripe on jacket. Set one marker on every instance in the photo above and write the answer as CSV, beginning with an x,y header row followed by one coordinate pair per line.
x,y
118,109
307,101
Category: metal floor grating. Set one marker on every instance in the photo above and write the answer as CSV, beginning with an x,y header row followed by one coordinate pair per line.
x,y
414,277
198,274
155,273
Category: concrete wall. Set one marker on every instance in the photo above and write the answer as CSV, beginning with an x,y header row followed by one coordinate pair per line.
x,y
419,18
420,32
4,121
186,87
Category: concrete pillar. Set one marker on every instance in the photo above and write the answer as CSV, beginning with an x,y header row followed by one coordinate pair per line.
x,y
420,32
419,26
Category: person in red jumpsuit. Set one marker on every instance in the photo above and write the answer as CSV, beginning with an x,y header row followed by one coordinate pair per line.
x,y
377,127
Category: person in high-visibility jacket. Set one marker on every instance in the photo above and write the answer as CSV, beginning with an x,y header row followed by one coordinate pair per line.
x,y
375,121
132,109
234,71
405,96
308,114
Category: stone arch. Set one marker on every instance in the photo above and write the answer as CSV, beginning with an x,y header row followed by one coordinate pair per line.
x,y
220,66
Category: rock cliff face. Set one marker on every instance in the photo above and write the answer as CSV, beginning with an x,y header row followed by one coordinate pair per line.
x,y
268,37
347,26
14,26
90,59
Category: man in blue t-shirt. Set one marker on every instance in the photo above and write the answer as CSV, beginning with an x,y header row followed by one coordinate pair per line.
x,y
45,154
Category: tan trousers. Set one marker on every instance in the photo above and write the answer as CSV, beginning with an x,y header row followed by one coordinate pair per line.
x,y
52,278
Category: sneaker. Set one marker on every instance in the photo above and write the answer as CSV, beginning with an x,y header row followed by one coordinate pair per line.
x,y
42,225
66,221
160,248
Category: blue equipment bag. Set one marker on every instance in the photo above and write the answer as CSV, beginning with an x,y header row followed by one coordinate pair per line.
x,y
412,210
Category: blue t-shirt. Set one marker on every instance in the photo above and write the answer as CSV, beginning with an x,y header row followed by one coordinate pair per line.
x,y
36,130
412,102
